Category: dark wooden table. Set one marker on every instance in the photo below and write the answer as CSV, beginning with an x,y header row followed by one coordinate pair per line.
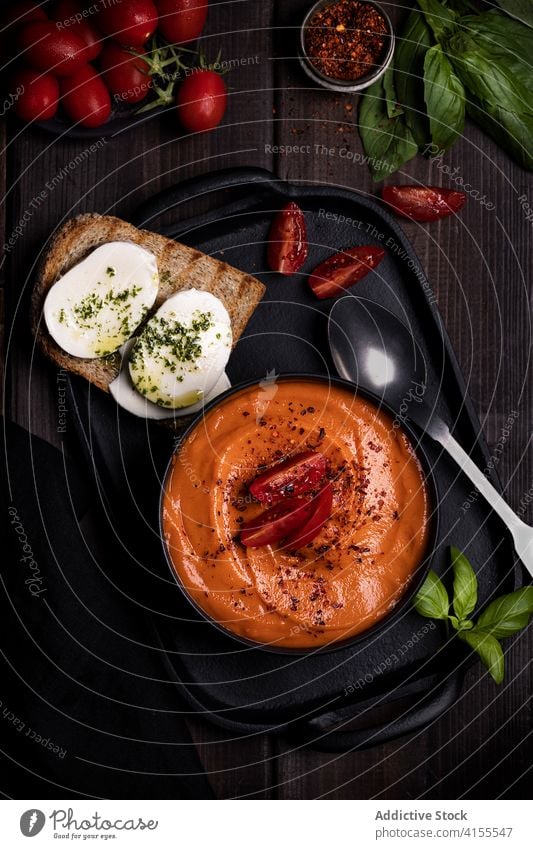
x,y
479,265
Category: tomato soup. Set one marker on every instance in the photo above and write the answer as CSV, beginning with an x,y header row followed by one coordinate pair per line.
x,y
363,558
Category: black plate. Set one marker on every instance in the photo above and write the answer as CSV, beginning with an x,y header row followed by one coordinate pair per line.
x,y
411,669
122,119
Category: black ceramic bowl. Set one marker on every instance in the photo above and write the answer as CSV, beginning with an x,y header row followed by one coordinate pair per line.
x,y
418,576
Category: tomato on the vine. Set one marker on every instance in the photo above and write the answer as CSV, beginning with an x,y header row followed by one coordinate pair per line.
x,y
85,98
69,15
47,48
130,24
19,14
126,76
201,101
181,21
35,95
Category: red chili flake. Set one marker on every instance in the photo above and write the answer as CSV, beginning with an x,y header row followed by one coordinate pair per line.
x,y
346,40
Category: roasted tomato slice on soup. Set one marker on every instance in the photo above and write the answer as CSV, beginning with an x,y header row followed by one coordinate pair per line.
x,y
287,240
344,269
423,203
322,504
276,523
295,476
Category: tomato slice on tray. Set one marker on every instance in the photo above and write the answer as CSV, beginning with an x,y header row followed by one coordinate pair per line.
x,y
287,240
295,476
423,203
344,269
276,523
322,504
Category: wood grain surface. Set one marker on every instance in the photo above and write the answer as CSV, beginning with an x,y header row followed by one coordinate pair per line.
x,y
480,267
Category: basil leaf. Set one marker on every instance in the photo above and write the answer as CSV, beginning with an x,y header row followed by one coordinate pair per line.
x,y
513,132
489,56
489,651
445,99
495,31
520,9
411,48
393,107
387,142
507,614
441,20
464,584
491,74
506,628
432,599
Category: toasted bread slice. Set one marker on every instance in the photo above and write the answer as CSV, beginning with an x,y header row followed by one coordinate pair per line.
x,y
180,267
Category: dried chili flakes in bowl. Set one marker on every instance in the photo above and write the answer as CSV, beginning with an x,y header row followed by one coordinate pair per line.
x,y
346,40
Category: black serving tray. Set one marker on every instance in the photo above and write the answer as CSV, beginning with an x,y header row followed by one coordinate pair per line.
x,y
408,674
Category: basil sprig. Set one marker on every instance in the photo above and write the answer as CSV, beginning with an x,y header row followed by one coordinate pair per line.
x,y
451,58
504,617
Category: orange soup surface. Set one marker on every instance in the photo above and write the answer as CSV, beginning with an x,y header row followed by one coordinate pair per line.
x,y
357,568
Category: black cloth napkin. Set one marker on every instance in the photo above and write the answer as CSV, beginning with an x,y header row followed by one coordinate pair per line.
x,y
87,708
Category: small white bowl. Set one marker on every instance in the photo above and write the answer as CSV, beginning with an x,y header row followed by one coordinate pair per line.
x,y
345,86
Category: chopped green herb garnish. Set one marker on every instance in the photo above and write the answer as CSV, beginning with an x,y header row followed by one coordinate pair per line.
x,y
170,341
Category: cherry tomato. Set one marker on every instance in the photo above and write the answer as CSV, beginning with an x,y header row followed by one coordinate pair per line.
x,y
287,240
275,523
47,48
85,98
130,23
201,101
126,76
181,21
344,269
69,15
322,504
423,203
20,14
297,475
35,94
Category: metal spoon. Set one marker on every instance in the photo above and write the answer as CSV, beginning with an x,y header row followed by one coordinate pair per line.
x,y
373,349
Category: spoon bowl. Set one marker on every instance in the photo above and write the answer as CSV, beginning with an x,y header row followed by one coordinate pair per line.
x,y
373,349
376,351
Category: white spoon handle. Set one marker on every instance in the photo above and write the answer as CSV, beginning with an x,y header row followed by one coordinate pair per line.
x,y
522,534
